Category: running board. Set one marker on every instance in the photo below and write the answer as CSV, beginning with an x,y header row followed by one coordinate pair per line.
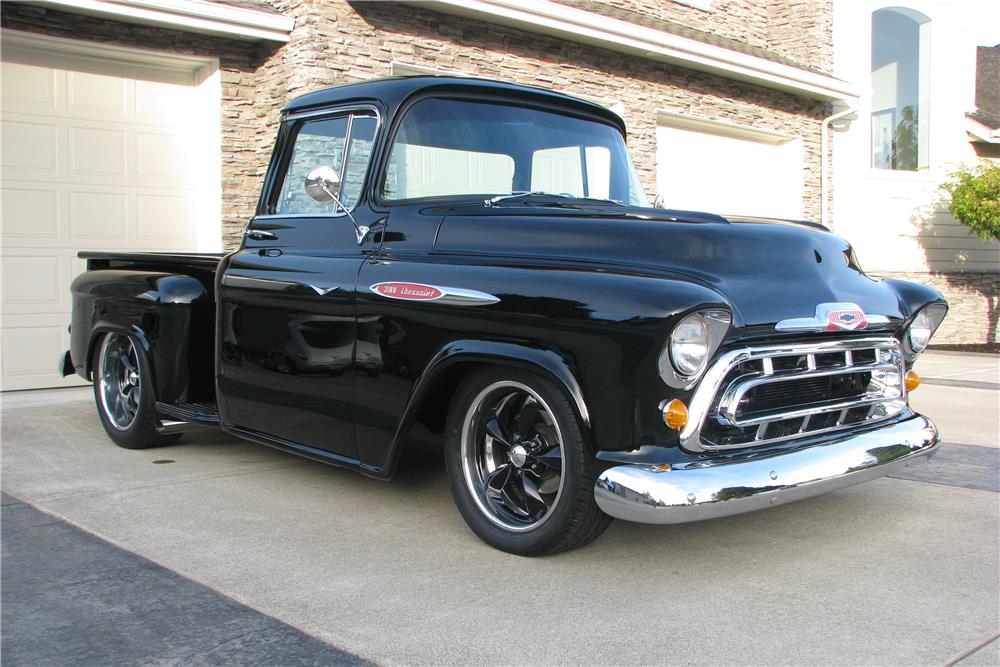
x,y
204,414
170,426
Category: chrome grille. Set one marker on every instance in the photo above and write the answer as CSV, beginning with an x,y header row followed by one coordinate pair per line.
x,y
762,395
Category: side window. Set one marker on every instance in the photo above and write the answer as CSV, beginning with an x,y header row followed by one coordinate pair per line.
x,y
322,143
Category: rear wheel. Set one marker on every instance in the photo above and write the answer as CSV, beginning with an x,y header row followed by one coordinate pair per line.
x,y
124,399
519,467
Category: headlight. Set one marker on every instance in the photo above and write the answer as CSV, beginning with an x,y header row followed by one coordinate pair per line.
x,y
689,345
923,326
920,332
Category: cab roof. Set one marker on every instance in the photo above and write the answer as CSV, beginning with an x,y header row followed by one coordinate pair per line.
x,y
394,91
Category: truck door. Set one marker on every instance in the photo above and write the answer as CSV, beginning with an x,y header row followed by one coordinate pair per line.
x,y
287,297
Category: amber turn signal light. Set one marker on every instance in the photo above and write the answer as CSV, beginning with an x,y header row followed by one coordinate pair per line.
x,y
675,414
912,380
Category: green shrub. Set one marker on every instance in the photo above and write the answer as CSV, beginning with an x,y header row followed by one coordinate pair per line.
x,y
975,198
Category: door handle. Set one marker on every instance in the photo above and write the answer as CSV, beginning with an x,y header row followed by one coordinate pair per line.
x,y
260,235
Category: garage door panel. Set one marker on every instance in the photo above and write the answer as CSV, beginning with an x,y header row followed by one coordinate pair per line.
x,y
31,282
96,215
721,173
96,152
28,88
163,218
102,97
29,147
162,104
29,351
161,157
99,153
29,213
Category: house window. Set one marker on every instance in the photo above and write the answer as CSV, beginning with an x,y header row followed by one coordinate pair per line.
x,y
900,108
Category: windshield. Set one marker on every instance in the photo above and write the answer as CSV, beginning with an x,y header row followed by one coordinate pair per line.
x,y
448,147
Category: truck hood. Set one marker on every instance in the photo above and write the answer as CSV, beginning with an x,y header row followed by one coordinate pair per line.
x,y
767,270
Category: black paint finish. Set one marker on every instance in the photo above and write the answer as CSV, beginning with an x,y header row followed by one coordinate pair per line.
x,y
309,358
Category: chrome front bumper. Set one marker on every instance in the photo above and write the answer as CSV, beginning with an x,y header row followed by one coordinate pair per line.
x,y
710,489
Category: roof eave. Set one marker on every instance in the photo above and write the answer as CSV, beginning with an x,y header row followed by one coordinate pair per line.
x,y
606,32
187,15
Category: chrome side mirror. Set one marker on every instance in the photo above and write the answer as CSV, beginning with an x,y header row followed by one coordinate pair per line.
x,y
659,202
323,185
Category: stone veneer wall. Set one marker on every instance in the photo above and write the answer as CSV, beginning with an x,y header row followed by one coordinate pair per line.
x,y
801,30
974,305
244,101
743,20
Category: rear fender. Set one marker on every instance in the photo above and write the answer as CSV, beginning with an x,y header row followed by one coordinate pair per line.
x,y
158,310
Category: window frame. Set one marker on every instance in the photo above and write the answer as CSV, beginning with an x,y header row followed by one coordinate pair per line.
x,y
293,124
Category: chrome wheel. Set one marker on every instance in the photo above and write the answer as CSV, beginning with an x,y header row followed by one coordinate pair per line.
x,y
120,381
511,452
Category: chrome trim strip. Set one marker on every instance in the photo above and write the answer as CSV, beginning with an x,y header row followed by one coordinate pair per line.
x,y
168,426
711,383
248,282
334,111
452,296
711,489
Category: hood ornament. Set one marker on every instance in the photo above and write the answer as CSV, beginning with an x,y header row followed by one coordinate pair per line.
x,y
843,316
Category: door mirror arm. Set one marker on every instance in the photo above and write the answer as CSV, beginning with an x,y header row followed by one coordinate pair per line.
x,y
323,184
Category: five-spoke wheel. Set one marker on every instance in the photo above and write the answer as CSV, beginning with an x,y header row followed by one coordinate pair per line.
x,y
512,455
521,471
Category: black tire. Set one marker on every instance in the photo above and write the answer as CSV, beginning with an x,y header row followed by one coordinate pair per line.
x,y
505,481
123,393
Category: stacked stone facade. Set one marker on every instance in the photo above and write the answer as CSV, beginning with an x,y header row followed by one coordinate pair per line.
x,y
973,305
336,42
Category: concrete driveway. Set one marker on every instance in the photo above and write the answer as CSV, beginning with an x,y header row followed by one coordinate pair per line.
x,y
896,571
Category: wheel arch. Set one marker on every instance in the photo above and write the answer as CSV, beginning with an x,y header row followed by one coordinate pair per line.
x,y
431,396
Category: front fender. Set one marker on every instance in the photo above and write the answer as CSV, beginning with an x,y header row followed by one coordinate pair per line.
x,y
544,361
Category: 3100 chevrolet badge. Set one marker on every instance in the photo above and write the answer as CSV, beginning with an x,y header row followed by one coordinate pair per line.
x,y
478,259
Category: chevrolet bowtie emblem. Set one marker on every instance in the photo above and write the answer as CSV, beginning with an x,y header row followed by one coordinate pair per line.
x,y
833,317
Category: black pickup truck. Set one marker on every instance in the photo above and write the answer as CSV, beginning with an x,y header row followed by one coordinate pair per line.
x,y
479,259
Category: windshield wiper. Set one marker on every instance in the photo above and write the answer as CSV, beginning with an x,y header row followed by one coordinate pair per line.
x,y
520,196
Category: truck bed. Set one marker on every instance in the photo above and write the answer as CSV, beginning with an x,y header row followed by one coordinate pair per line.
x,y
161,260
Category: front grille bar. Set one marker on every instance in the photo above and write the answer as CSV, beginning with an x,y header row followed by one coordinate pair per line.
x,y
719,398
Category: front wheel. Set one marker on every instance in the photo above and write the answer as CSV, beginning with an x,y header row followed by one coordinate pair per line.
x,y
123,395
519,466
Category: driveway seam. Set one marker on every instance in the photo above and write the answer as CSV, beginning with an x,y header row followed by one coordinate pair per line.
x,y
969,652
961,384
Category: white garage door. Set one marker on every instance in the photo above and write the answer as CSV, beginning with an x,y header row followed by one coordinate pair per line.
x,y
726,169
105,151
